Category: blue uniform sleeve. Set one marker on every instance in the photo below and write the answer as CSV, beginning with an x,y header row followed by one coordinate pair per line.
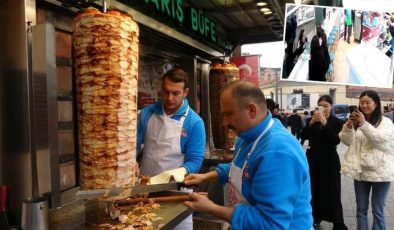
x,y
195,148
276,185
142,124
223,171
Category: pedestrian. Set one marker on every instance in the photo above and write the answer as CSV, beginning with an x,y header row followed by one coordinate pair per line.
x,y
273,108
306,116
285,117
268,178
387,113
369,158
322,131
172,133
301,44
304,122
295,123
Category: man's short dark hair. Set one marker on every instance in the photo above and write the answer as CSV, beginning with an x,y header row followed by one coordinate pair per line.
x,y
271,105
177,75
245,92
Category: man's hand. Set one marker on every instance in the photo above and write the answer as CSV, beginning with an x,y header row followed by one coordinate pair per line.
x,y
201,203
196,179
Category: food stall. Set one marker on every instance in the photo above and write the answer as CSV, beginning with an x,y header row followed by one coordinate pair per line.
x,y
48,100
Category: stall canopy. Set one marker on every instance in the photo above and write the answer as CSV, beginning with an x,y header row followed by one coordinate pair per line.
x,y
247,21
238,21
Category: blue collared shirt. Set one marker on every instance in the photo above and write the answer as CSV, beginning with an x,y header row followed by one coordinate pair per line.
x,y
275,181
192,136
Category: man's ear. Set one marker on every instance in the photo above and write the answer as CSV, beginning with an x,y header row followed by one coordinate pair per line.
x,y
185,92
252,109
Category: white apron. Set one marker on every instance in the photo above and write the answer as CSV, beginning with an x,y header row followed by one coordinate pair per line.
x,y
235,177
162,151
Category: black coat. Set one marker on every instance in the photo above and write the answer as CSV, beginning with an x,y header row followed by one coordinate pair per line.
x,y
318,64
324,167
295,122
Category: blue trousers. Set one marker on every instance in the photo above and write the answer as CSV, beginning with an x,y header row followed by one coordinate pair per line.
x,y
379,194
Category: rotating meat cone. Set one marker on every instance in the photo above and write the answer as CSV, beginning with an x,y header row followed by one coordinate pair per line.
x,y
106,65
219,75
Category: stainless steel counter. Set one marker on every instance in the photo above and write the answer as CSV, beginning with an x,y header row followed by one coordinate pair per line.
x,y
74,214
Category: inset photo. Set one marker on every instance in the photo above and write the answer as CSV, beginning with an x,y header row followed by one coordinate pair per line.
x,y
338,45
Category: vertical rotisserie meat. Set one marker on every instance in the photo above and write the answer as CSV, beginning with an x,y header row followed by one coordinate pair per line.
x,y
219,75
106,67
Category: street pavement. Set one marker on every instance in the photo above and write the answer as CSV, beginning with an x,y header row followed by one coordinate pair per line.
x,y
349,201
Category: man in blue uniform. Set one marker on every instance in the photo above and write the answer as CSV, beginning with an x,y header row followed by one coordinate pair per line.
x,y
269,185
172,133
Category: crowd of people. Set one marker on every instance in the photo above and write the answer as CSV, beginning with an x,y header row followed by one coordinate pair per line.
x,y
368,133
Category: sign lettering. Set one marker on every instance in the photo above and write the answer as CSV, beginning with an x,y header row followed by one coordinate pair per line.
x,y
189,18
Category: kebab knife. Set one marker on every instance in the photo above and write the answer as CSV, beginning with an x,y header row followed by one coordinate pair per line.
x,y
130,191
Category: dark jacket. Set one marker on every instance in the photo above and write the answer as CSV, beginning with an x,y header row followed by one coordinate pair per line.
x,y
278,117
320,60
324,167
295,122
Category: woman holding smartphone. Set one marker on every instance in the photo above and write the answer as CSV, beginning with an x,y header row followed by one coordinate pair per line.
x,y
369,159
322,130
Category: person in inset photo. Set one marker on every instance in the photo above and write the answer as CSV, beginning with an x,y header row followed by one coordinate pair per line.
x,y
301,44
390,24
348,25
320,58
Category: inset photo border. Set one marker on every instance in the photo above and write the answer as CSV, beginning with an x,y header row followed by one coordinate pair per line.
x,y
339,46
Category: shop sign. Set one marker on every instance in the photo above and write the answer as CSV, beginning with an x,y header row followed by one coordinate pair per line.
x,y
175,14
298,101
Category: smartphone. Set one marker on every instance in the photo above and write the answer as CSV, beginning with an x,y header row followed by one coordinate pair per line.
x,y
353,108
319,109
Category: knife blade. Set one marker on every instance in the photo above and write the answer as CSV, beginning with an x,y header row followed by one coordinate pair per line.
x,y
138,189
133,191
98,193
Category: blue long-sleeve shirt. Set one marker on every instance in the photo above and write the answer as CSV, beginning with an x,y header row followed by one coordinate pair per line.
x,y
192,137
276,184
